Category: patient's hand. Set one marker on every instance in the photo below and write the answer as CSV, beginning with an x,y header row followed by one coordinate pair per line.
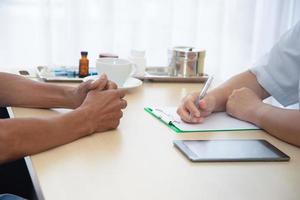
x,y
104,109
188,111
79,93
243,103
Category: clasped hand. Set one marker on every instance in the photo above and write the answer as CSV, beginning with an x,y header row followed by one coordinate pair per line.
x,y
102,101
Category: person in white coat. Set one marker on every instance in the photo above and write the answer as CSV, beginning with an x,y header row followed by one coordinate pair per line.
x,y
277,74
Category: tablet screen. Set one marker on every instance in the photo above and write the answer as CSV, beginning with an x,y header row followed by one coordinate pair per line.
x,y
230,150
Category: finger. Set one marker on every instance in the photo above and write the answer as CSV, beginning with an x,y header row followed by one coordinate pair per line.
x,y
99,83
197,120
121,93
115,124
111,85
187,117
121,114
184,114
193,119
191,107
123,103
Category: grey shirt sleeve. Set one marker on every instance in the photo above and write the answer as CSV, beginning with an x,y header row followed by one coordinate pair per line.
x,y
278,72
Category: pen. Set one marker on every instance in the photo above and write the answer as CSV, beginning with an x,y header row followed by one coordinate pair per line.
x,y
204,90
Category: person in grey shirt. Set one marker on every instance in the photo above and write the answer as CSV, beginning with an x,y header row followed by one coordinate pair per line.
x,y
277,74
97,107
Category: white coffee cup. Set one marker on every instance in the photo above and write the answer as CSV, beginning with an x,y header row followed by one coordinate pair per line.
x,y
117,70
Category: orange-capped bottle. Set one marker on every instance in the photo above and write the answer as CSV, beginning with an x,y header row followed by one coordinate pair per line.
x,y
83,65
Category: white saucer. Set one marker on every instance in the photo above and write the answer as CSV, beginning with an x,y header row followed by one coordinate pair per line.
x,y
130,83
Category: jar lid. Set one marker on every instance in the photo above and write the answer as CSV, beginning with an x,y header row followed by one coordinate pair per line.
x,y
187,52
108,55
187,49
84,53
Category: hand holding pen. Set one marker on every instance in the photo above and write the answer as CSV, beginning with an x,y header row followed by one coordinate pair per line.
x,y
195,106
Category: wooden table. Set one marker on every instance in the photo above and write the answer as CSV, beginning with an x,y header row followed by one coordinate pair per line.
x,y
138,161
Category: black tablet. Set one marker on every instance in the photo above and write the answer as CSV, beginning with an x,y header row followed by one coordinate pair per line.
x,y
229,150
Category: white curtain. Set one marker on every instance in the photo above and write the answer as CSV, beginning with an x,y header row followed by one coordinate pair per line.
x,y
234,32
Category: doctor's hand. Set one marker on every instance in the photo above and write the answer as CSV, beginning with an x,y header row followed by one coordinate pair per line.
x,y
78,94
243,104
188,111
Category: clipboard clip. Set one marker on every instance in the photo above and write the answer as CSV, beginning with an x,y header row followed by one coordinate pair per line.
x,y
166,117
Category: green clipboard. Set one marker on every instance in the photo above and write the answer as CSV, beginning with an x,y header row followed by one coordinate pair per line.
x,y
169,124
173,126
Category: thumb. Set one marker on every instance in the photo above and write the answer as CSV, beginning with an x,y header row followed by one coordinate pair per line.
x,y
99,83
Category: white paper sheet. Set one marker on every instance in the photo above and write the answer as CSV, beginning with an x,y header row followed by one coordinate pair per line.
x,y
215,122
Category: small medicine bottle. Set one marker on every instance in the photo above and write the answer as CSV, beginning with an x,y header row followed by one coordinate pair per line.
x,y
83,65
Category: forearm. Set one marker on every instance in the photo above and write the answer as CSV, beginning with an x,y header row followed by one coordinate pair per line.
x,y
281,123
19,91
21,137
245,79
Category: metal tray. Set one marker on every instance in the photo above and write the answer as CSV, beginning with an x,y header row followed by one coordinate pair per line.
x,y
154,74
